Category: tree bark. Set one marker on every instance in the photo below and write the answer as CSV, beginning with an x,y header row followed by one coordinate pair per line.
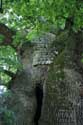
x,y
48,84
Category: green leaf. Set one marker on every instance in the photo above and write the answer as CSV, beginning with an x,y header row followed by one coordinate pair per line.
x,y
2,37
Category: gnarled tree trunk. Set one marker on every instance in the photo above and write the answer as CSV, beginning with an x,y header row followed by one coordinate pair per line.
x,y
48,85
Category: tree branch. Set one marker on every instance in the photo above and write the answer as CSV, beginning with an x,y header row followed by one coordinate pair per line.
x,y
9,73
8,36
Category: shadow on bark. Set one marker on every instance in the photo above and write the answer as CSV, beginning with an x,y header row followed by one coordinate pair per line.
x,y
39,99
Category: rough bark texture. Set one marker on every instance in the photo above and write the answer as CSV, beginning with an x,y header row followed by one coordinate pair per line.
x,y
36,58
61,105
47,80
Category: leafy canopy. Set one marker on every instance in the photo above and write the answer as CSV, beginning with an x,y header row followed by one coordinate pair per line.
x,y
47,12
31,17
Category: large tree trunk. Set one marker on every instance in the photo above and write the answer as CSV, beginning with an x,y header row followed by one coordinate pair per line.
x,y
62,104
47,84
28,86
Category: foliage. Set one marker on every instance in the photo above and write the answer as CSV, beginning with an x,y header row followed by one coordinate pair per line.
x,y
1,38
7,116
43,14
8,61
48,12
8,58
31,17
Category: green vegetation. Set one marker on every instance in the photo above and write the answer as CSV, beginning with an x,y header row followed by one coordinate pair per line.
x,y
30,18
45,12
